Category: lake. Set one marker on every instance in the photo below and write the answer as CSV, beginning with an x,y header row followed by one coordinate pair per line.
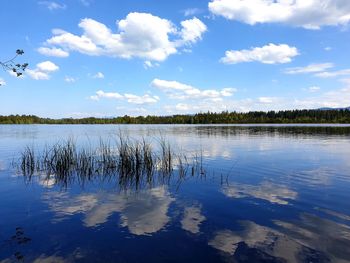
x,y
262,194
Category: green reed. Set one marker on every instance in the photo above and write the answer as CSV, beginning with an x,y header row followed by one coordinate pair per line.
x,y
133,161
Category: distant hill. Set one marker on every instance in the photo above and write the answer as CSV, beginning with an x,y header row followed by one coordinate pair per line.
x,y
348,108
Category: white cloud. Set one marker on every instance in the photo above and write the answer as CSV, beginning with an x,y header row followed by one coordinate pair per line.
x,y
309,14
269,54
107,95
47,66
177,90
52,5
267,100
192,30
182,107
37,75
312,68
42,70
2,82
332,74
328,48
53,52
192,11
333,99
337,98
148,64
314,89
14,74
227,92
98,75
130,98
69,79
320,70
139,35
145,99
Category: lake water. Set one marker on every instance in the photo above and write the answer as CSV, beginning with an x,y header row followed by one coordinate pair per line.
x,y
264,194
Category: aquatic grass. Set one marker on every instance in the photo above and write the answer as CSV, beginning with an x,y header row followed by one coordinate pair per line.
x,y
28,161
134,162
59,159
165,157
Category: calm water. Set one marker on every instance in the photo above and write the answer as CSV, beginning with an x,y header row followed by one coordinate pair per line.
x,y
267,194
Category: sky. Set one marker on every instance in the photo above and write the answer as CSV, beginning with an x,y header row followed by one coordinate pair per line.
x,y
107,58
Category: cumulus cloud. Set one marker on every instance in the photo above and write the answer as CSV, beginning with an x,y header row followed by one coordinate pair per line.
x,y
2,82
139,35
177,90
312,68
47,66
42,70
108,95
99,75
53,52
130,98
52,5
269,54
337,98
192,30
311,14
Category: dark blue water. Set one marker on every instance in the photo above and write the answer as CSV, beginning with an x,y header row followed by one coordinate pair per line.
x,y
266,194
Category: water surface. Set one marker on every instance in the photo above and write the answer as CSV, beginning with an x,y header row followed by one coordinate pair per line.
x,y
266,194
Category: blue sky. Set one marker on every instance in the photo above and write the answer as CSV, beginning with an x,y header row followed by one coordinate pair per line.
x,y
111,58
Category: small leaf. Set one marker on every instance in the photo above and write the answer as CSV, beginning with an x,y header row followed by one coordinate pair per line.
x,y
19,52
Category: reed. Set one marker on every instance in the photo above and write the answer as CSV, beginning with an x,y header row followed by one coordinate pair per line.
x,y
28,161
133,161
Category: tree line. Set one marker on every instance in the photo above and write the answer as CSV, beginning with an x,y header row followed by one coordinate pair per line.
x,y
225,117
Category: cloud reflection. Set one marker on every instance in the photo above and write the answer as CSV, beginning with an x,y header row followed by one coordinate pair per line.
x,y
320,234
267,191
192,219
310,239
265,241
50,259
143,213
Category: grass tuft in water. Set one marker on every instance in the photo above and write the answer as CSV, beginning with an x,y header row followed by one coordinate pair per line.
x,y
133,161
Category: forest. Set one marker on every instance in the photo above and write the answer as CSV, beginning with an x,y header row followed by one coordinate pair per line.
x,y
225,117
